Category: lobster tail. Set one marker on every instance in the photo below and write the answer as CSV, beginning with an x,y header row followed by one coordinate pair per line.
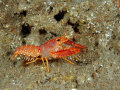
x,y
14,57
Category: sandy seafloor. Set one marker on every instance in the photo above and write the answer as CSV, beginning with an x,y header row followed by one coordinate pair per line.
x,y
33,22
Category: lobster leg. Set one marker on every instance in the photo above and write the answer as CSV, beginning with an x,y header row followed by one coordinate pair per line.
x,y
47,64
77,58
33,61
43,62
69,61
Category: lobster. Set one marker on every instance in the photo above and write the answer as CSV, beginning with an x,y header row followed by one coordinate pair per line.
x,y
51,49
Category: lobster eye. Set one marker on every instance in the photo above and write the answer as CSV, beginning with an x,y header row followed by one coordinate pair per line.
x,y
58,39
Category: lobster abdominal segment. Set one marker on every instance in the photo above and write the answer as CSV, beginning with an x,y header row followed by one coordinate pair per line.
x,y
28,51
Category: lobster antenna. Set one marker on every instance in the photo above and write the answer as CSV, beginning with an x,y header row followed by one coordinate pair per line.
x,y
64,33
81,36
87,27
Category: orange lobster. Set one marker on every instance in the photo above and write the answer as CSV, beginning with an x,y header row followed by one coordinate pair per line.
x,y
51,49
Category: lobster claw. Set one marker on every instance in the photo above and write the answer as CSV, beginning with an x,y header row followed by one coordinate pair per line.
x,y
69,42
